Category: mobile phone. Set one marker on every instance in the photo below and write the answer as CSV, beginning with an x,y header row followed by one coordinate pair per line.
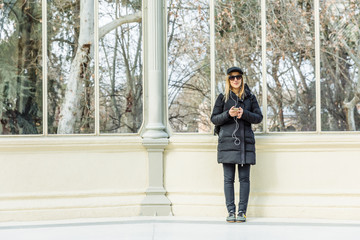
x,y
236,109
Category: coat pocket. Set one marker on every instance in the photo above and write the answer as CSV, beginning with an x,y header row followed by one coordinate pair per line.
x,y
249,136
227,144
249,147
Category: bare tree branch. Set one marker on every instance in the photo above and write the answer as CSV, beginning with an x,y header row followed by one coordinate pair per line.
x,y
136,17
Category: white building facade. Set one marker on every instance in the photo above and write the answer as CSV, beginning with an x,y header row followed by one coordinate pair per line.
x,y
307,160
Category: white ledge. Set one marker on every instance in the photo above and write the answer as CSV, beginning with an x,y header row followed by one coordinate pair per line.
x,y
71,142
279,141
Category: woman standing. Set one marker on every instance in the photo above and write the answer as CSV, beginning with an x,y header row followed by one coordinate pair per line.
x,y
233,115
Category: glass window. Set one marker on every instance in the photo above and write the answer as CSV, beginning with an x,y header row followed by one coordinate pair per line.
x,y
189,93
340,62
238,43
290,65
70,104
70,59
120,68
20,67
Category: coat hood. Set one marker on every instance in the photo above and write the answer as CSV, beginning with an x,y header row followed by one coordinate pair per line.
x,y
248,92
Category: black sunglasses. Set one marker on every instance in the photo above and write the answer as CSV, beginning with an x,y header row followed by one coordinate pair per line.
x,y
232,78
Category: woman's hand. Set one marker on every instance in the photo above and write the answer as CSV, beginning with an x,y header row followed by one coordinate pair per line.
x,y
233,112
240,112
236,112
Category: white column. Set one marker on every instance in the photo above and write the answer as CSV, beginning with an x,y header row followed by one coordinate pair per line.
x,y
155,47
155,137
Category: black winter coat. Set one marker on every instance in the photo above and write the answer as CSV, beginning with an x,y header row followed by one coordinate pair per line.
x,y
228,151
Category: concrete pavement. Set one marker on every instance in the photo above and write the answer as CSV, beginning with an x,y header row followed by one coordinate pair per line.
x,y
169,228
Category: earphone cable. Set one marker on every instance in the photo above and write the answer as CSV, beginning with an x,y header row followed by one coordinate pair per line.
x,y
237,141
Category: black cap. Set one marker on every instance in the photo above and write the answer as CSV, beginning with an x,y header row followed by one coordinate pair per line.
x,y
234,69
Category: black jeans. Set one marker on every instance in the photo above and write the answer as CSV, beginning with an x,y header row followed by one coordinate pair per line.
x,y
244,179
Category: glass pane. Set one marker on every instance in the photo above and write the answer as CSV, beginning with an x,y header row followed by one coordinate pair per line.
x,y
189,98
20,67
340,61
238,43
120,68
290,65
70,66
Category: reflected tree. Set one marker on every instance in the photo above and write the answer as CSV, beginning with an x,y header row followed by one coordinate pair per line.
x,y
20,67
121,68
238,43
189,66
70,60
291,66
340,57
71,27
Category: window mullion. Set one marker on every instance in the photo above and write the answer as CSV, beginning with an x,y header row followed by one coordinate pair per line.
x,y
44,70
317,66
263,60
212,53
96,70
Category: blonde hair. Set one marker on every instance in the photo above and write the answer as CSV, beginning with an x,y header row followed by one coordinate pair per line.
x,y
228,88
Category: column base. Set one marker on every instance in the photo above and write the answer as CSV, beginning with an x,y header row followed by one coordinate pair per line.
x,y
155,134
155,130
156,203
156,210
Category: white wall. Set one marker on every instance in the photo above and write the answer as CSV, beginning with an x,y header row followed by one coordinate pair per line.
x,y
297,175
71,177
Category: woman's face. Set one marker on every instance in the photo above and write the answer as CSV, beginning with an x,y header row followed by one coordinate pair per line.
x,y
235,80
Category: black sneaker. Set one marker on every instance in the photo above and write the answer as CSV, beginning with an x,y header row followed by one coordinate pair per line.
x,y
231,218
241,217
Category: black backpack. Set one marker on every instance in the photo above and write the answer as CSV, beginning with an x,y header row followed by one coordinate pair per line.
x,y
217,128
